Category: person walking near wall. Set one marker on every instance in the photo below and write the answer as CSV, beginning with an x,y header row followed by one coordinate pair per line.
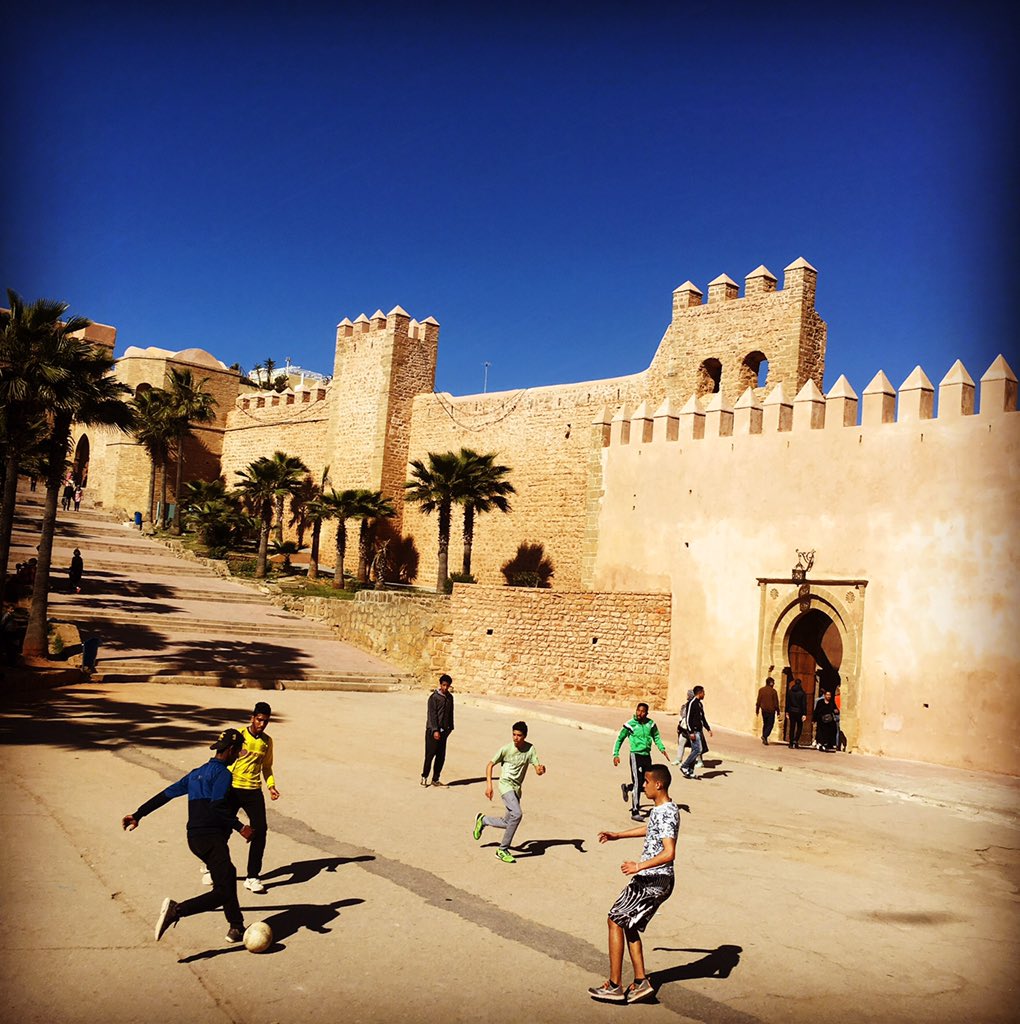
x,y
67,496
78,495
767,706
796,709
640,733
74,573
438,726
210,820
650,885
696,723
514,759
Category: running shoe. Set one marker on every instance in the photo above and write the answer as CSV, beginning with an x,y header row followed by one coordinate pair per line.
x,y
640,990
441,785
479,825
254,885
167,916
608,993
506,856
235,935
624,788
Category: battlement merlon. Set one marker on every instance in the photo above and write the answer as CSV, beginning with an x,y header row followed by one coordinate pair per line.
x,y
800,279
397,322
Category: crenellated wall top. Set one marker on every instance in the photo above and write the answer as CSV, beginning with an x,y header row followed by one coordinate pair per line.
x,y
396,321
913,401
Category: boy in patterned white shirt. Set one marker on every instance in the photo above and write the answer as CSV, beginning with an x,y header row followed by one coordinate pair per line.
x,y
651,882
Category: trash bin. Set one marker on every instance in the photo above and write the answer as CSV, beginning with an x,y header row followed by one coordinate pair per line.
x,y
90,653
138,520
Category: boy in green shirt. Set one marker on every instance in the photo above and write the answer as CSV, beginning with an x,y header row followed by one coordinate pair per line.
x,y
640,732
514,758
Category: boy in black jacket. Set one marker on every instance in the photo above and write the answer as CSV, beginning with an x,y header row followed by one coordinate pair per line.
x,y
696,722
210,820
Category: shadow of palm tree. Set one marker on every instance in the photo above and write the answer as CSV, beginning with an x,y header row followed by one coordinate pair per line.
x,y
81,720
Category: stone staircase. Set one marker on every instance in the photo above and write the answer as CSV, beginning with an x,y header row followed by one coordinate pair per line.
x,y
162,616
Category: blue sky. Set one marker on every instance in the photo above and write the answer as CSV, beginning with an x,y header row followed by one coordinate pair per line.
x,y
537,179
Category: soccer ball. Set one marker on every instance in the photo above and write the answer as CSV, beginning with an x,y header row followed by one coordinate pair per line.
x,y
258,937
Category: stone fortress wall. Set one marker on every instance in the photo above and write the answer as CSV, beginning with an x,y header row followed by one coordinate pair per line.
x,y
912,513
688,488
543,433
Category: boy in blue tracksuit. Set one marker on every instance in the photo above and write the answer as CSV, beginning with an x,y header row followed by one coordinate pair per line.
x,y
211,818
640,732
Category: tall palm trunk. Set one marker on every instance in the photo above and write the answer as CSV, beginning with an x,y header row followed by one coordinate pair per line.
x,y
341,553
151,514
313,554
178,484
469,536
280,498
363,543
36,643
10,499
444,546
267,521
162,498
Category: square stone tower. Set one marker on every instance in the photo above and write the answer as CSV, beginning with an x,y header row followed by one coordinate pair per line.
x,y
722,345
381,363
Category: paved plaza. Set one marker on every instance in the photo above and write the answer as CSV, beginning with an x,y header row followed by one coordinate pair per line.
x,y
839,888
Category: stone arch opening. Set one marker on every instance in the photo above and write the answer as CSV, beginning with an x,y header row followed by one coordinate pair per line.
x,y
80,466
754,371
814,654
709,377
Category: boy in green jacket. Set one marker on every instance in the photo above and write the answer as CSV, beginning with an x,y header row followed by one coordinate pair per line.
x,y
640,732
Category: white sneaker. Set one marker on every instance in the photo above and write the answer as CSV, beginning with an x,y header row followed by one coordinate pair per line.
x,y
206,878
254,885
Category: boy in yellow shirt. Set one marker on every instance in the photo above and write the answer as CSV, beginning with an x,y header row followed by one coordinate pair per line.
x,y
255,763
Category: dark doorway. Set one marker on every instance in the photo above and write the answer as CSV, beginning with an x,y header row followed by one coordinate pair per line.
x,y
81,461
814,655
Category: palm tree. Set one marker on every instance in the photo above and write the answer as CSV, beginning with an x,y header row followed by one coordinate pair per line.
x,y
90,396
302,495
154,430
285,548
189,403
372,506
341,506
263,482
34,378
435,487
485,489
316,512
290,469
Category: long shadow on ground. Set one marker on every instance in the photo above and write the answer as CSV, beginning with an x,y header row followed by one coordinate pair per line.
x,y
80,720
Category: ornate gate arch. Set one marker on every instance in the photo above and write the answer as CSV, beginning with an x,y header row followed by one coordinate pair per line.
x,y
785,601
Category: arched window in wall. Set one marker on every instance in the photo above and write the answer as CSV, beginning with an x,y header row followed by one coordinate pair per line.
x,y
709,377
754,371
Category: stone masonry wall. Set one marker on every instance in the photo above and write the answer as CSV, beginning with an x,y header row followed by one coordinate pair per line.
x,y
411,632
585,647
266,422
543,435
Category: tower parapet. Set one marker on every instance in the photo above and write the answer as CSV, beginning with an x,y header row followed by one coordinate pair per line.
x,y
728,344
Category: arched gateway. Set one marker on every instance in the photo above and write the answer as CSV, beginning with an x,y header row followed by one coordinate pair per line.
x,y
812,628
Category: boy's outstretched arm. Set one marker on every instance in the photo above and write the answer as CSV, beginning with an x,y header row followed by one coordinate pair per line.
x,y
632,833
